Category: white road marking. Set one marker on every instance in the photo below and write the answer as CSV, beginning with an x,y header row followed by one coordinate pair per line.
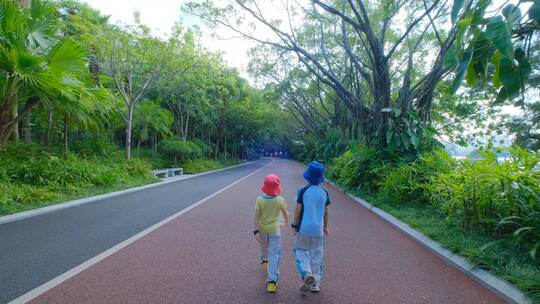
x,y
27,297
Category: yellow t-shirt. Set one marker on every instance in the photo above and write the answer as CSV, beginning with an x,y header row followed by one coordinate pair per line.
x,y
269,209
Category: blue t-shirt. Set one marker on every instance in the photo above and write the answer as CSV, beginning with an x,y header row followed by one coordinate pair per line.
x,y
313,199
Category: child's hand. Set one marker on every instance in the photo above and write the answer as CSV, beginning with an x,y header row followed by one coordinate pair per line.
x,y
258,238
326,232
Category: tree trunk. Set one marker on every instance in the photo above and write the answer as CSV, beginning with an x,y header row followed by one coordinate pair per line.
x,y
220,129
15,131
128,131
47,134
154,145
138,147
27,130
66,150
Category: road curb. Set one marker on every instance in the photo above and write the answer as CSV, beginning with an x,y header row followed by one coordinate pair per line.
x,y
39,211
500,287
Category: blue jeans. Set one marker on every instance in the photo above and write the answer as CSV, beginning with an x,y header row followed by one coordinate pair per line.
x,y
309,256
271,251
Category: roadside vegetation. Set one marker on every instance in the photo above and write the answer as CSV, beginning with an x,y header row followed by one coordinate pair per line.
x,y
88,106
485,210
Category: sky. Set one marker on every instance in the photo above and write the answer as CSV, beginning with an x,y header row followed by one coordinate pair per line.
x,y
161,15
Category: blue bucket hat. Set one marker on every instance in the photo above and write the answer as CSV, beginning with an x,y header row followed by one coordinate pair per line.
x,y
314,173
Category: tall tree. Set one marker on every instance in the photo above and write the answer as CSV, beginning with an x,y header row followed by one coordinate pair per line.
x,y
134,60
35,61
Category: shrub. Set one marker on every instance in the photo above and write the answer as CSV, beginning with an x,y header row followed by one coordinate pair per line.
x,y
176,150
360,168
31,176
501,197
410,182
206,150
196,151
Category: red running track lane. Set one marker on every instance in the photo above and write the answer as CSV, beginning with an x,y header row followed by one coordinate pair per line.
x,y
209,255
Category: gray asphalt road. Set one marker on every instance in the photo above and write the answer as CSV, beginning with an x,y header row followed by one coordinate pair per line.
x,y
37,249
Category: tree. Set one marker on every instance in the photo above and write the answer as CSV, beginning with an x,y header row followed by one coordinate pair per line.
x,y
355,47
35,62
134,60
150,118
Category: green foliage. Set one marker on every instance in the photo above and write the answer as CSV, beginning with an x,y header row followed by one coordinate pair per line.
x,y
410,182
31,176
202,165
360,168
493,48
332,145
206,150
179,151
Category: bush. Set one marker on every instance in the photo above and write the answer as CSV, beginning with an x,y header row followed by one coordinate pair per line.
x,y
360,168
499,197
206,150
176,150
31,176
410,182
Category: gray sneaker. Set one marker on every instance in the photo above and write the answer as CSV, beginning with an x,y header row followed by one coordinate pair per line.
x,y
309,279
315,287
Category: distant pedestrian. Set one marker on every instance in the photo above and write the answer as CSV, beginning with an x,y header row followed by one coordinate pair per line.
x,y
311,225
267,227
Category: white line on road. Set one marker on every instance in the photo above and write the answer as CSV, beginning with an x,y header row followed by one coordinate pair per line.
x,y
27,297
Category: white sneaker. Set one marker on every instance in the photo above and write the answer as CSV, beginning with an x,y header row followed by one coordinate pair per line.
x,y
315,288
309,280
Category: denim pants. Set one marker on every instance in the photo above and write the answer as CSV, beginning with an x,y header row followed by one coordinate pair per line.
x,y
309,256
271,252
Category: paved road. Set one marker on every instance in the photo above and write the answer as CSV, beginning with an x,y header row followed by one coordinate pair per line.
x,y
208,255
37,249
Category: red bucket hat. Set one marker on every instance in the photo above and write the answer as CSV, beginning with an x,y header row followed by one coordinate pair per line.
x,y
272,185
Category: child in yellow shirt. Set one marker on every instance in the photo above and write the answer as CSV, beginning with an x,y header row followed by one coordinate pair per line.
x,y
267,227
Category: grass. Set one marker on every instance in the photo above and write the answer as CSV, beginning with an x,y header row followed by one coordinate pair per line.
x,y
203,165
504,260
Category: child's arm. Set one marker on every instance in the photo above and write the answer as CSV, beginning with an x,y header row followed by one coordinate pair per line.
x,y
326,231
256,224
285,213
297,210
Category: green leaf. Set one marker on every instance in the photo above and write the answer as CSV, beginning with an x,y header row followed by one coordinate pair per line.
x,y
523,64
461,70
471,74
510,79
66,56
497,31
462,26
522,230
534,12
512,14
495,60
456,7
534,250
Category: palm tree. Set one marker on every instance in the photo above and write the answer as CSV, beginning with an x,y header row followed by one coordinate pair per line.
x,y
149,117
35,61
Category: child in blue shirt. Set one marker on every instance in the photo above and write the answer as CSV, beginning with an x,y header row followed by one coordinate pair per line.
x,y
311,225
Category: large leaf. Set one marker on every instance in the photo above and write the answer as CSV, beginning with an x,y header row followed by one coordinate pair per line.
x,y
461,70
510,78
534,12
495,60
471,74
497,31
512,14
456,7
66,57
524,66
